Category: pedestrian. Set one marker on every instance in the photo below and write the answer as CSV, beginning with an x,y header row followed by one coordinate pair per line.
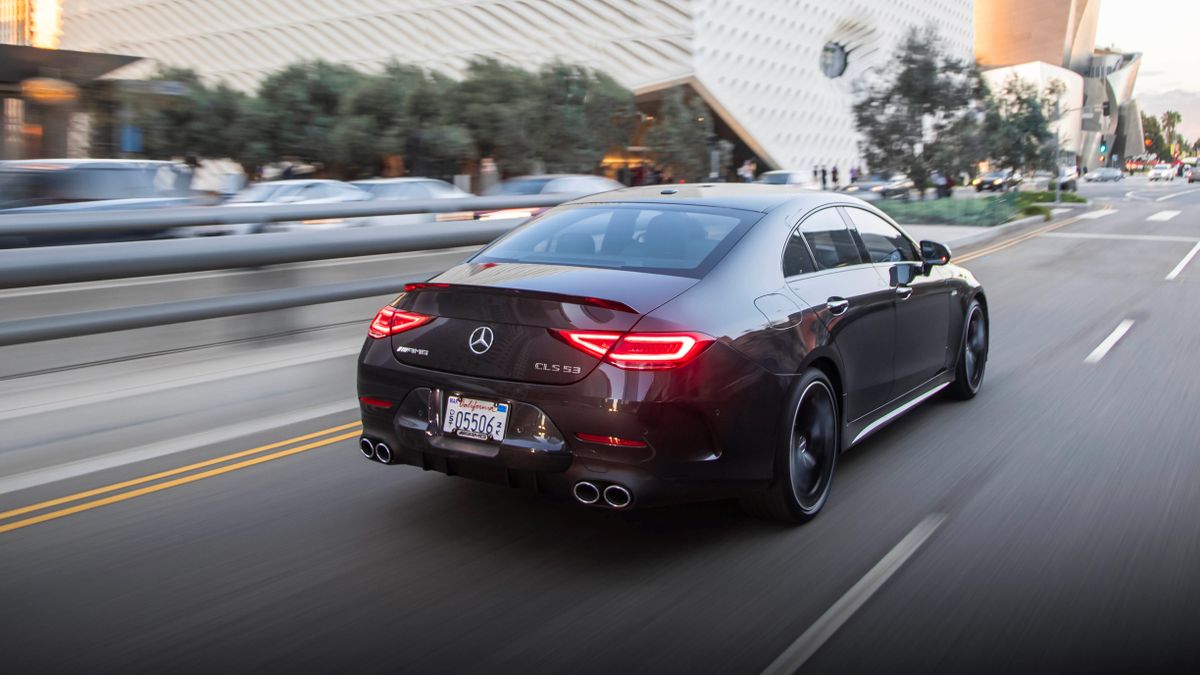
x,y
834,174
854,174
746,172
824,178
816,173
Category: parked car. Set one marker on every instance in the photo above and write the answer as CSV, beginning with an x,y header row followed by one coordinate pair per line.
x,y
1104,175
576,185
647,346
997,181
89,185
881,186
411,189
1162,172
798,179
1193,174
297,191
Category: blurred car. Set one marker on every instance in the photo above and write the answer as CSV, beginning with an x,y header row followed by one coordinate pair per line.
x,y
1193,174
628,349
88,185
412,189
298,191
1104,175
1162,172
798,179
881,186
997,181
575,185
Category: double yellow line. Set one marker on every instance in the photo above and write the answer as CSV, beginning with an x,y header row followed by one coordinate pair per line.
x,y
340,433
1008,243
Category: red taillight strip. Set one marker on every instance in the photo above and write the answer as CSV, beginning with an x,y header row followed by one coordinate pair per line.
x,y
390,321
638,351
374,402
611,440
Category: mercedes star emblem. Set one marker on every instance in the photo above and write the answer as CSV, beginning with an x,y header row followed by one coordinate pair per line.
x,y
481,339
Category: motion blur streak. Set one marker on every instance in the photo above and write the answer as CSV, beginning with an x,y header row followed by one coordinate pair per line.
x,y
171,472
87,506
1008,243
47,23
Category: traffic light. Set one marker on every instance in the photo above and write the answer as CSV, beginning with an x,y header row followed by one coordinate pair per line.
x,y
1103,147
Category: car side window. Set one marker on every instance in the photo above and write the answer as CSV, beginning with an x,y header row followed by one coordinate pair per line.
x,y
796,258
884,243
830,240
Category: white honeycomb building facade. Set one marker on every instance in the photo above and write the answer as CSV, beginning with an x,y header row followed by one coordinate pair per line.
x,y
757,63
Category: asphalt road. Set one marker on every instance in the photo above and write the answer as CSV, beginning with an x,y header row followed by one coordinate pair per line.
x,y
1050,525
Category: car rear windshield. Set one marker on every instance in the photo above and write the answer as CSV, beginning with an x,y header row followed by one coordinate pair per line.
x,y
656,238
520,186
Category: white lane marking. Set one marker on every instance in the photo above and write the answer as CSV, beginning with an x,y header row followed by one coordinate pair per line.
x,y
1177,194
83,467
1135,197
1183,263
1093,215
836,616
1130,237
1109,342
1164,216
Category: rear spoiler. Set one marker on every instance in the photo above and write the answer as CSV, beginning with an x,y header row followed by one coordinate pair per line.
x,y
524,293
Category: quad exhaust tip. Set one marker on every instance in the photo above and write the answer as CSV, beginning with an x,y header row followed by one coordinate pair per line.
x,y
617,496
367,447
586,493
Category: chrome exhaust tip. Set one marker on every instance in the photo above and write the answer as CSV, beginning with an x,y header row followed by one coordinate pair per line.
x,y
367,447
586,493
383,453
617,496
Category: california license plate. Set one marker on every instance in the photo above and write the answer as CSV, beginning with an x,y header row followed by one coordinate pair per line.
x,y
476,419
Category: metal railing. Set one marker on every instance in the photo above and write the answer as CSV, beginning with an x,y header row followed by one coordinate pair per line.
x,y
28,267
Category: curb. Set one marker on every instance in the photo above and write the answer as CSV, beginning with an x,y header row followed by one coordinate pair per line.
x,y
981,239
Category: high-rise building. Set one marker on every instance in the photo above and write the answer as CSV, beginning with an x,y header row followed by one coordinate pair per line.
x,y
1044,41
779,74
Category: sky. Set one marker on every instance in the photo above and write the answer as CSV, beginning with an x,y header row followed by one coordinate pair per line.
x,y
1165,31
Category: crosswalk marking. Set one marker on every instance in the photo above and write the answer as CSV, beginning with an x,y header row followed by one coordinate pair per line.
x,y
1164,216
1092,215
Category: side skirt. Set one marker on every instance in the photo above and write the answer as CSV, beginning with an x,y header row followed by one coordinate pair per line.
x,y
863,428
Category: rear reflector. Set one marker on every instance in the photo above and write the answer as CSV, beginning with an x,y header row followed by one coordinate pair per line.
x,y
374,402
638,351
610,440
390,321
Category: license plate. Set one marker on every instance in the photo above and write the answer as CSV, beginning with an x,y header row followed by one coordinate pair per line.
x,y
476,419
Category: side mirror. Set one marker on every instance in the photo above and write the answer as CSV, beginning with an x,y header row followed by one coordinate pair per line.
x,y
933,253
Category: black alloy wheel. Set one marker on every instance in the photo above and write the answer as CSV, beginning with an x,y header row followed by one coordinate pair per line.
x,y
806,461
972,357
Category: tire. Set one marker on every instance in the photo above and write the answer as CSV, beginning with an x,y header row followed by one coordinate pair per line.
x,y
972,354
805,457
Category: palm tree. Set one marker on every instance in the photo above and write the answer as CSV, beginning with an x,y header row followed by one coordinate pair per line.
x,y
1170,120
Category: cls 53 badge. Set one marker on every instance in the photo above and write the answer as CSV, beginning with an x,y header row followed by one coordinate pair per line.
x,y
556,368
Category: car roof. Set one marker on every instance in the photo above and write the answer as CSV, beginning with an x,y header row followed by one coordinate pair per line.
x,y
745,196
404,179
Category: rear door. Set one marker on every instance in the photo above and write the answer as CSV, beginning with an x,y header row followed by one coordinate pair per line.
x,y
922,339
856,306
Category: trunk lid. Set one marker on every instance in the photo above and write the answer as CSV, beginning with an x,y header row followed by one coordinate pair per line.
x,y
497,320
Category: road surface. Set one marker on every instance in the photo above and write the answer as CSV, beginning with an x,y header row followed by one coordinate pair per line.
x,y
207,510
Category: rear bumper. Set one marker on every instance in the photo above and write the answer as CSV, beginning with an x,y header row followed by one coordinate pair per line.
x,y
707,428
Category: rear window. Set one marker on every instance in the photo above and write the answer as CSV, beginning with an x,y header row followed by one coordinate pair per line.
x,y
659,238
522,186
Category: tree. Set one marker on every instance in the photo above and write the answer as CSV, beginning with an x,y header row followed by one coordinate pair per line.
x,y
497,104
680,136
579,115
1158,144
1019,125
922,112
301,107
1170,121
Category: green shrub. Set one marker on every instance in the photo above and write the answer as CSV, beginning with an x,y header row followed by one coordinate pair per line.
x,y
1036,210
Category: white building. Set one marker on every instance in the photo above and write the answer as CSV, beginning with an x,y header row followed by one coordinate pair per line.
x,y
779,73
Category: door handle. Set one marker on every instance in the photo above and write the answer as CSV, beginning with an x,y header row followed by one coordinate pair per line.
x,y
837,305
904,292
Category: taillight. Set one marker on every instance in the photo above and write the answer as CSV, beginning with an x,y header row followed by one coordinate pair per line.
x,y
638,351
390,321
